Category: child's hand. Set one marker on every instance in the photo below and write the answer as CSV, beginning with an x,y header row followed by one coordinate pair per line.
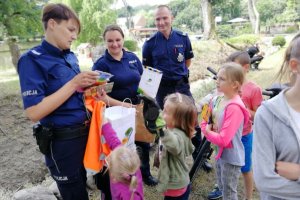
x,y
208,127
288,170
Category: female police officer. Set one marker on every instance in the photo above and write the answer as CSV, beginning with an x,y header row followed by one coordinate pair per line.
x,y
127,69
49,77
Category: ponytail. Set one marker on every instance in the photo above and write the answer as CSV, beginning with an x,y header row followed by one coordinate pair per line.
x,y
133,186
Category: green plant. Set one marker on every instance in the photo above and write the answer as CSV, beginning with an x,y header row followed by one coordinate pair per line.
x,y
278,41
225,31
247,39
131,45
291,29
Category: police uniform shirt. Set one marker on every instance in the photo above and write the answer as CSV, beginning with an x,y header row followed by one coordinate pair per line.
x,y
45,69
168,55
127,74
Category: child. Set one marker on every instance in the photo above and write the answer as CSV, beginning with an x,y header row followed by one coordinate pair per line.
x,y
124,168
251,95
276,157
180,115
229,116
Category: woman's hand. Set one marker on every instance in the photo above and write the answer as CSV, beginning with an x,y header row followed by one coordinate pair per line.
x,y
288,170
128,105
102,96
85,79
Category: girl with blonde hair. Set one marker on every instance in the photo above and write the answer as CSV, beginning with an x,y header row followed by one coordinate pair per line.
x,y
124,168
225,126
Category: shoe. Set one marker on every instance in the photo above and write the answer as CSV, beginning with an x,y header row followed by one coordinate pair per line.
x,y
206,166
215,194
150,181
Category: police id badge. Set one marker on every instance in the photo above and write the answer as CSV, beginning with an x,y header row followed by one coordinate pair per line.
x,y
180,57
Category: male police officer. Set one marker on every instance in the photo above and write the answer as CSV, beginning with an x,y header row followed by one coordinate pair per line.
x,y
171,52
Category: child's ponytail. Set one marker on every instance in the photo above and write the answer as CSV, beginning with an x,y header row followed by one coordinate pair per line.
x,y
133,185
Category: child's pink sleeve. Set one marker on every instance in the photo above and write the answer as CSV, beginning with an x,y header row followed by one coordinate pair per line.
x,y
233,118
110,136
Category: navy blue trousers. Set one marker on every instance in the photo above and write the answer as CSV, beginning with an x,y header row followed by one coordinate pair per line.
x,y
65,163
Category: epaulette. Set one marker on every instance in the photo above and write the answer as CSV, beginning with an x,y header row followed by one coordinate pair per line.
x,y
151,37
127,51
180,33
36,52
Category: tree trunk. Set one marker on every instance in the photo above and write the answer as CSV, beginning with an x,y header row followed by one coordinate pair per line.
x,y
254,16
14,51
209,26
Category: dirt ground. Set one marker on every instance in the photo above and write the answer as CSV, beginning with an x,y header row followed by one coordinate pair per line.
x,y
21,162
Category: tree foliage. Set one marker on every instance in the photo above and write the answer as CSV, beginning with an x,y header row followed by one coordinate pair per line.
x,y
228,9
267,8
95,16
290,13
187,14
273,11
20,18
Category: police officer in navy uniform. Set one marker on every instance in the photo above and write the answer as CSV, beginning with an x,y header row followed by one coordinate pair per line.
x,y
170,51
49,78
127,69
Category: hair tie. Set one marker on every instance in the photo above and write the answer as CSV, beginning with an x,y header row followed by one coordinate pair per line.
x,y
128,176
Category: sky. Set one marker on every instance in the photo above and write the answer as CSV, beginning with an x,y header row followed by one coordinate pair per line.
x,y
134,3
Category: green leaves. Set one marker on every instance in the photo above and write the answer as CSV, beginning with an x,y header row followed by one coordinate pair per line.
x,y
95,16
20,18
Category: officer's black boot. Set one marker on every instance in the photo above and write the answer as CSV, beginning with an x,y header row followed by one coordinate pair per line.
x,y
143,151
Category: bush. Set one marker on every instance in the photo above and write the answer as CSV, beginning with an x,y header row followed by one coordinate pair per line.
x,y
225,31
278,41
247,39
131,45
291,29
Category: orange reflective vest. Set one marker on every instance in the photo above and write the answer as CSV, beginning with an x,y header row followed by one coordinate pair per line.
x,y
96,149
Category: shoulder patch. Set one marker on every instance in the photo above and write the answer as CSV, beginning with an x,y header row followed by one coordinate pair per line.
x,y
180,33
35,52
